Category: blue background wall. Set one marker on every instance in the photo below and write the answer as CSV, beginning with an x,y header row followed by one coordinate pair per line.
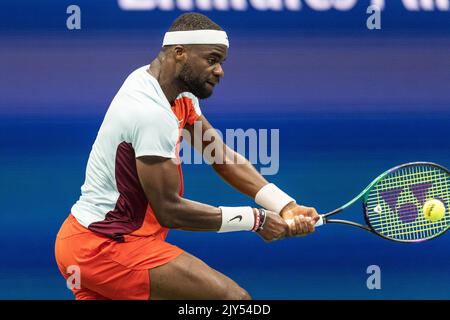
x,y
349,103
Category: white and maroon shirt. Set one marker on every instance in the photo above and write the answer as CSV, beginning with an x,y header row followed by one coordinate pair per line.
x,y
139,122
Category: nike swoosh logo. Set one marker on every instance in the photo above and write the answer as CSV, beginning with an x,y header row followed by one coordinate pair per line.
x,y
180,121
237,217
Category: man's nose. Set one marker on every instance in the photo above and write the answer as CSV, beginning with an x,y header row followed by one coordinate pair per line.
x,y
218,71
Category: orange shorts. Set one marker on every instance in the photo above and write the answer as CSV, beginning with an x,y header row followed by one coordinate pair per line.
x,y
109,269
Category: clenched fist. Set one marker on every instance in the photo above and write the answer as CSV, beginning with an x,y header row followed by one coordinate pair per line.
x,y
301,219
274,228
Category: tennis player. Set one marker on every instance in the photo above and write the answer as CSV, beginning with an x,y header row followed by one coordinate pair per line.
x,y
132,194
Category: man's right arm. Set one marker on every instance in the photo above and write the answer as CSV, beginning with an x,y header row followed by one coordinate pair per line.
x,y
160,180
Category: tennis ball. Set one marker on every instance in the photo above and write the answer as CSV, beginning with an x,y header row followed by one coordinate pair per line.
x,y
434,210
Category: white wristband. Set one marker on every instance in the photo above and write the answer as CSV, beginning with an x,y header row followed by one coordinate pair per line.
x,y
237,219
272,198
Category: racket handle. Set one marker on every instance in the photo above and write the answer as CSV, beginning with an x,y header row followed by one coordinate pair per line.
x,y
319,222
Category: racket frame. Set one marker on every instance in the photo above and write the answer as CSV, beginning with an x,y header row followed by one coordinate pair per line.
x,y
364,194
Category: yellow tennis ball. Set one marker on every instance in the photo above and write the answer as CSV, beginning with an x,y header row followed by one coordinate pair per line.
x,y
434,210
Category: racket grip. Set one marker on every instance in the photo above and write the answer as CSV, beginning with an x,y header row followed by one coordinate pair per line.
x,y
319,222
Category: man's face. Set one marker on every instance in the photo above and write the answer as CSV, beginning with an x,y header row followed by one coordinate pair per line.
x,y
203,69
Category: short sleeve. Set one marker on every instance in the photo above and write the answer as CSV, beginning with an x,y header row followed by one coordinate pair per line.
x,y
194,112
155,134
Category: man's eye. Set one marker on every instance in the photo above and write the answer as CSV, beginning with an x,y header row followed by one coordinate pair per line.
x,y
212,61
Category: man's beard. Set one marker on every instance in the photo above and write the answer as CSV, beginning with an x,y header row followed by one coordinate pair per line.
x,y
196,86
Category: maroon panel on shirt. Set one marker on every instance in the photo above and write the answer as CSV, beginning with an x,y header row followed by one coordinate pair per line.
x,y
129,212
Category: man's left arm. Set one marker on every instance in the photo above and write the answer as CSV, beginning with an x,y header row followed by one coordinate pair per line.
x,y
236,170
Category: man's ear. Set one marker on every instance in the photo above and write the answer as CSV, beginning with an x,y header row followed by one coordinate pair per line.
x,y
180,53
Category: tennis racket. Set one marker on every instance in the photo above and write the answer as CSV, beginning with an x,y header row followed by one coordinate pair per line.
x,y
408,203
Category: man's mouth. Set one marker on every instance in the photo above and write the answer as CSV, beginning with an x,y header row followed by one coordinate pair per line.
x,y
211,83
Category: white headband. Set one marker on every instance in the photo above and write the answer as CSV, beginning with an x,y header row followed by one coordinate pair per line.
x,y
196,37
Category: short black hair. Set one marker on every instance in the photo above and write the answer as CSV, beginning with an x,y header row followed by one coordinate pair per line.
x,y
193,21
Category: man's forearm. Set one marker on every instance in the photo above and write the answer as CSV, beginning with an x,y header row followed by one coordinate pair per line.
x,y
242,175
160,182
184,214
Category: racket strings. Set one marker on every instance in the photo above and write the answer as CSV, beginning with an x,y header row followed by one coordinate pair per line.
x,y
424,227
400,197
408,198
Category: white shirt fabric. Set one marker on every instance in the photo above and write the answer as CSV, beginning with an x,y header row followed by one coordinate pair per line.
x,y
139,118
